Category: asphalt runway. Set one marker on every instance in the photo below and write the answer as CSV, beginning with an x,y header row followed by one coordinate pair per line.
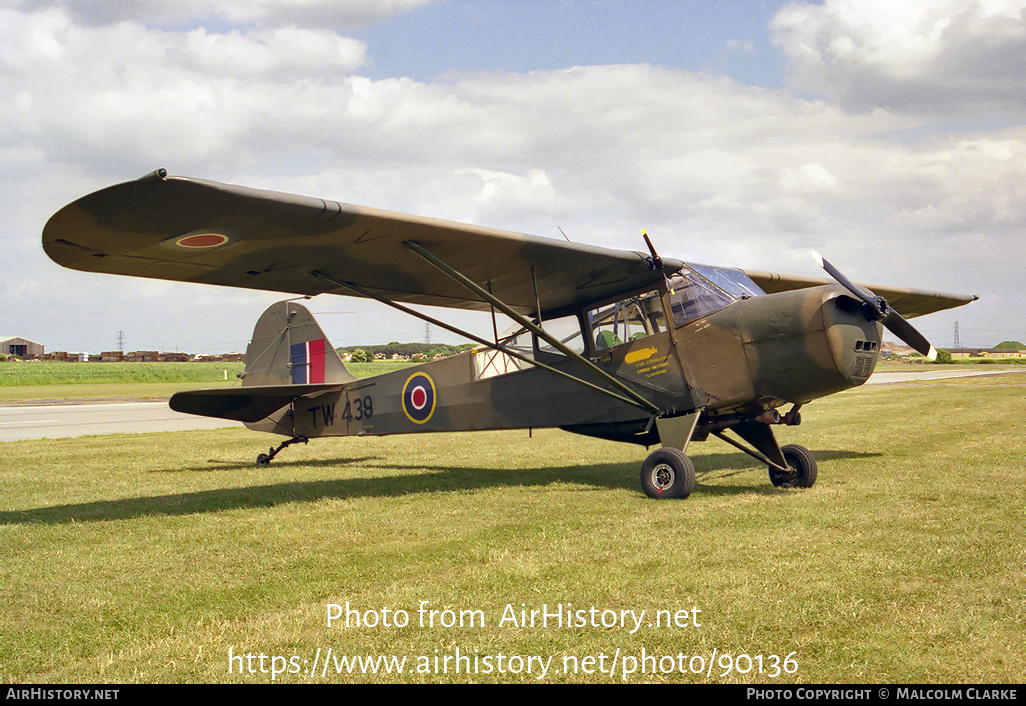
x,y
879,378
57,421
19,422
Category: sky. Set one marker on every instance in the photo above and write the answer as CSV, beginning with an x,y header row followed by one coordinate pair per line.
x,y
890,137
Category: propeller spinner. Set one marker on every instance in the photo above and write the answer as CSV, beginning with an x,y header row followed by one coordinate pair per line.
x,y
877,309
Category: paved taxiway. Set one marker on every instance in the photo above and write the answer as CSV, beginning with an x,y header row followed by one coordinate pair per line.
x,y
896,376
54,421
19,422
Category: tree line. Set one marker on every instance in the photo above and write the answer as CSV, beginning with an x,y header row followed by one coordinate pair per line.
x,y
430,350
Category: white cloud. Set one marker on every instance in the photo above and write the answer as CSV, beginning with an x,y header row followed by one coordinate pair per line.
x,y
919,55
285,52
79,91
716,171
306,13
808,178
967,185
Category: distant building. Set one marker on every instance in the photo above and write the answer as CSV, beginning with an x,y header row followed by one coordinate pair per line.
x,y
112,356
986,353
142,357
21,347
65,357
220,358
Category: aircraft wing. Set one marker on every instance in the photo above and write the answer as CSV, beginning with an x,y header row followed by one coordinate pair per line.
x,y
200,231
908,302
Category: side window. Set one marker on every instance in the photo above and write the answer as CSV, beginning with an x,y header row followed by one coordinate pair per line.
x,y
566,330
490,363
625,320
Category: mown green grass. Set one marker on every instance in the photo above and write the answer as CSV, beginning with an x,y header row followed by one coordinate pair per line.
x,y
149,557
60,373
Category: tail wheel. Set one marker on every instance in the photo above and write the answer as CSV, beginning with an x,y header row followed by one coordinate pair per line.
x,y
668,473
803,469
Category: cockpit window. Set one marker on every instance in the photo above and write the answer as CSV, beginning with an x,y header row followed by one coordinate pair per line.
x,y
566,330
491,363
692,296
626,320
730,280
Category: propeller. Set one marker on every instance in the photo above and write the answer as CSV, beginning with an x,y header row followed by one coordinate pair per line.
x,y
877,309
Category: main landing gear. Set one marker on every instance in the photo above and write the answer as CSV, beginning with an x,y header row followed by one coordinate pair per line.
x,y
265,459
668,473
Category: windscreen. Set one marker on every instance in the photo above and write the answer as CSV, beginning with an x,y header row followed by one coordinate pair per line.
x,y
730,280
692,296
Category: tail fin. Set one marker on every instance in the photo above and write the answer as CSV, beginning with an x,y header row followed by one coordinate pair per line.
x,y
289,357
289,348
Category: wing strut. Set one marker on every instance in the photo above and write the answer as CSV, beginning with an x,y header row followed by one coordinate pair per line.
x,y
477,339
531,326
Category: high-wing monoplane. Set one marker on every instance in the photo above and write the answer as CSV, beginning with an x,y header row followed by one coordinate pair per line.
x,y
616,344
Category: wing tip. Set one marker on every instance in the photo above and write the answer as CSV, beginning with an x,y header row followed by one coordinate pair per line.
x,y
156,175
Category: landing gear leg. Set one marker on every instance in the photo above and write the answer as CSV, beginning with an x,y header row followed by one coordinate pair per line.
x,y
265,459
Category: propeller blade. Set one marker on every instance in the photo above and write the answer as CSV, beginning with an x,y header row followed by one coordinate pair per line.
x,y
878,310
863,294
900,327
877,304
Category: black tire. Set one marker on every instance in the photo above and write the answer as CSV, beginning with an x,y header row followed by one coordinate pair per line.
x,y
668,473
803,468
263,460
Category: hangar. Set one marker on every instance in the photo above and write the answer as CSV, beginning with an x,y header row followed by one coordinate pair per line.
x,y
21,347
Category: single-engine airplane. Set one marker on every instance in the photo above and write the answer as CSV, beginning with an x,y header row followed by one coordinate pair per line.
x,y
616,344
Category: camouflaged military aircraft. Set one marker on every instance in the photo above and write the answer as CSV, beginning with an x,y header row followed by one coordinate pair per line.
x,y
615,344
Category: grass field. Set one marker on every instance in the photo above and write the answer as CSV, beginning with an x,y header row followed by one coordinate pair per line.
x,y
60,373
155,557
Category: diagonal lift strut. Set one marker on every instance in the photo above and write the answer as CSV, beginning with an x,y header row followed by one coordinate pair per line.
x,y
530,325
477,339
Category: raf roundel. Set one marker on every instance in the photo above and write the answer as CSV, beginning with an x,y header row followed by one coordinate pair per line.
x,y
199,241
202,240
419,398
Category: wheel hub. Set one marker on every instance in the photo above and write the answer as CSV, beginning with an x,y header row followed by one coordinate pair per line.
x,y
663,476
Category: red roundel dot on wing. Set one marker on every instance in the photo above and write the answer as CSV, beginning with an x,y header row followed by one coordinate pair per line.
x,y
202,240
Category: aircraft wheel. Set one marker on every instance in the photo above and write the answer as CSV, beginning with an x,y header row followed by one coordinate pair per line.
x,y
668,473
263,460
803,468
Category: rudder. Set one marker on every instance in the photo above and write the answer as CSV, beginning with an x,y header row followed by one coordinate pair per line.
x,y
289,348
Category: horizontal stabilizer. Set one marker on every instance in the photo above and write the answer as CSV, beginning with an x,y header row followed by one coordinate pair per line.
x,y
244,404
